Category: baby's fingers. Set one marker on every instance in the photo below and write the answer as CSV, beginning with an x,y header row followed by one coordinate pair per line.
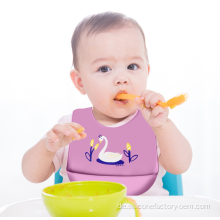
x,y
60,128
65,129
148,94
157,110
82,135
156,98
72,132
76,126
52,137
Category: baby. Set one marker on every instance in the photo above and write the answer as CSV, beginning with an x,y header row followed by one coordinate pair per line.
x,y
109,57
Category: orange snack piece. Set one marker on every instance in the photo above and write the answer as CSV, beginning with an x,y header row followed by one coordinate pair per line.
x,y
79,130
176,100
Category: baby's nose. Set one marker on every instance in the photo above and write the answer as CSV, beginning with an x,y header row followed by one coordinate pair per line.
x,y
122,80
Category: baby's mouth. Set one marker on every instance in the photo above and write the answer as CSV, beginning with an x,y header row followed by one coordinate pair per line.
x,y
121,101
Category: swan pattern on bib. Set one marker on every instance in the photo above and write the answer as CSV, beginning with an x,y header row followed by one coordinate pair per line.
x,y
109,158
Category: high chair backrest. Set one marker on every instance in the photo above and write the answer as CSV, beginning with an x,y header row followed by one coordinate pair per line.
x,y
58,177
171,182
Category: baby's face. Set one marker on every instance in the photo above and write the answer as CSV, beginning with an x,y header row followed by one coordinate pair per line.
x,y
110,62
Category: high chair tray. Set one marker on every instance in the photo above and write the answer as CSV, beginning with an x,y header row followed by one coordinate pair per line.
x,y
149,206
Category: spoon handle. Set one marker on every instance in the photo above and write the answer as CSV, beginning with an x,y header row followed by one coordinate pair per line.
x,y
132,97
173,102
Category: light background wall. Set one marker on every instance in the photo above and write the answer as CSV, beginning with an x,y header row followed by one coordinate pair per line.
x,y
35,87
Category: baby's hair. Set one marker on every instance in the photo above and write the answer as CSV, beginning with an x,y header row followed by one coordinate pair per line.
x,y
98,23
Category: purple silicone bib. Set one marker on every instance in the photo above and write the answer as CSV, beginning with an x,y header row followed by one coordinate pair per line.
x,y
126,154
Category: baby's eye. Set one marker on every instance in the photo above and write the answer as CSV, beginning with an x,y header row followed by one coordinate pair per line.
x,y
132,67
104,69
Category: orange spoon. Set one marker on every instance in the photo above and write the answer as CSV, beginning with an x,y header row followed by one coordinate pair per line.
x,y
172,103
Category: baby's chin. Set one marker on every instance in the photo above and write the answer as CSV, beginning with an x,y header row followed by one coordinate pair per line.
x,y
118,111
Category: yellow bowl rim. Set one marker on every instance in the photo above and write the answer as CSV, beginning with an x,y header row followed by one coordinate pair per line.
x,y
85,197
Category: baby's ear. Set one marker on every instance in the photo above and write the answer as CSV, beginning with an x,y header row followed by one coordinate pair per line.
x,y
77,80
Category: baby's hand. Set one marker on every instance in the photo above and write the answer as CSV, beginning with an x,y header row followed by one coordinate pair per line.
x,y
61,135
154,114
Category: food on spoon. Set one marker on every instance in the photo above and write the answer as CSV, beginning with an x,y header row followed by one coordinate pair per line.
x,y
176,100
126,96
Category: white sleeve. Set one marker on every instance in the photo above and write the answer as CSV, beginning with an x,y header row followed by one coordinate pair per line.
x,y
158,150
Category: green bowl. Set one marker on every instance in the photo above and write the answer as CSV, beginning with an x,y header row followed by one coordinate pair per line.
x,y
86,199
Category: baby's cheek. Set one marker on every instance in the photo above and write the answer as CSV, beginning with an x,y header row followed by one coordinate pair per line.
x,y
101,101
96,95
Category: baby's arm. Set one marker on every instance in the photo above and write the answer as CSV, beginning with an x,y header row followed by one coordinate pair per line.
x,y
176,152
37,165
